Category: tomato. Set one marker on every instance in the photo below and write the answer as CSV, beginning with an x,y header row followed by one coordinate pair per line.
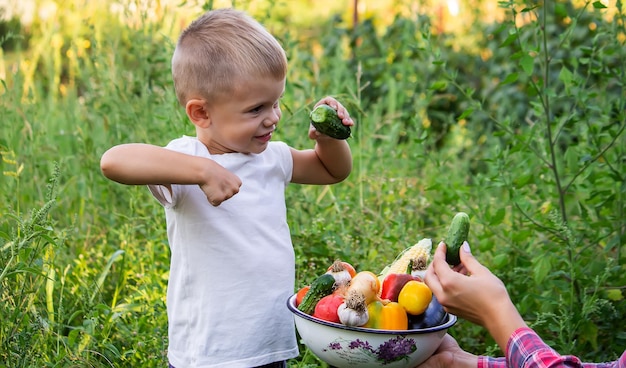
x,y
301,293
327,307
415,297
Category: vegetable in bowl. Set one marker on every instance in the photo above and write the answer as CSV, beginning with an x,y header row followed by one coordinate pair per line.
x,y
347,346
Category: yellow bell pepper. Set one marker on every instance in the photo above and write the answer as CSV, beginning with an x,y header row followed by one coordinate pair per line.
x,y
415,297
390,316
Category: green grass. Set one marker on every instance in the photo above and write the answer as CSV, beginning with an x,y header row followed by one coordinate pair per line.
x,y
529,141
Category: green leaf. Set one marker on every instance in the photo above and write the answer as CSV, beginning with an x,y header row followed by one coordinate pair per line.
x,y
522,179
541,269
466,113
509,40
510,78
500,260
527,63
598,5
497,218
525,10
439,85
565,76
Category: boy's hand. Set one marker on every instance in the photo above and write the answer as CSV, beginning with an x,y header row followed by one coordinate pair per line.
x,y
342,113
220,185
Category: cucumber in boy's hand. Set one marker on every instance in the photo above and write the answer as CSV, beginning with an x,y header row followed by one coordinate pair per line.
x,y
324,118
457,234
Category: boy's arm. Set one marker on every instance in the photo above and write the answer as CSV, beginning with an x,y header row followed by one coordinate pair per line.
x,y
330,161
144,164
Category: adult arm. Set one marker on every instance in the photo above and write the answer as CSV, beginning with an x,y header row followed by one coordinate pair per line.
x,y
479,297
526,349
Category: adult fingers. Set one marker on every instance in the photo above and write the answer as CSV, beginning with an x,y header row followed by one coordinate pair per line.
x,y
439,264
469,262
437,269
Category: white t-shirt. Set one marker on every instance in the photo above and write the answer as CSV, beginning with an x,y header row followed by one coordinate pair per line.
x,y
232,266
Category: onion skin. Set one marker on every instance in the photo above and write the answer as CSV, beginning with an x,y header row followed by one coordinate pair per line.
x,y
343,272
366,283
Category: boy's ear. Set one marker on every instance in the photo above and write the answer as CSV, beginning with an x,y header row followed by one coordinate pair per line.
x,y
197,113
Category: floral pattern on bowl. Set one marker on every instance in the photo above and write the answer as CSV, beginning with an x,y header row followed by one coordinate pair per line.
x,y
392,350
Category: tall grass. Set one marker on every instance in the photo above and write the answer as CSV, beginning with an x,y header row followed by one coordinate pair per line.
x,y
524,131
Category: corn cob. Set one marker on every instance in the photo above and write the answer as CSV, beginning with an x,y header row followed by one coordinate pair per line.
x,y
417,255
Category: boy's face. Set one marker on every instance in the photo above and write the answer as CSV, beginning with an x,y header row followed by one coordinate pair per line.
x,y
244,122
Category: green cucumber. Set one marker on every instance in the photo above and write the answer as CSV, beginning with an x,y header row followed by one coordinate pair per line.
x,y
320,287
457,234
324,118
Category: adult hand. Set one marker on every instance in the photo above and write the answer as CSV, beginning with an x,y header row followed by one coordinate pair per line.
x,y
449,354
474,294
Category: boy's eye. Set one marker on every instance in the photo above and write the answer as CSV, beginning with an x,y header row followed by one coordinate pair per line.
x,y
257,109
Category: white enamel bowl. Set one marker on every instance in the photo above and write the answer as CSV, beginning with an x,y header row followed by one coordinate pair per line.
x,y
344,347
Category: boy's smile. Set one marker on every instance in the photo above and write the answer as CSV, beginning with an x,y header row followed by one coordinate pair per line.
x,y
266,137
244,121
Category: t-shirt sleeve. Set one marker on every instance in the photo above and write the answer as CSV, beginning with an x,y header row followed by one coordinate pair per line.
x,y
187,145
283,152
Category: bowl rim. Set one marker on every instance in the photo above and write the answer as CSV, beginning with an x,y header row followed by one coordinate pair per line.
x,y
451,320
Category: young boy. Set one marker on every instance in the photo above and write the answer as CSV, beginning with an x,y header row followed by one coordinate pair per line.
x,y
232,261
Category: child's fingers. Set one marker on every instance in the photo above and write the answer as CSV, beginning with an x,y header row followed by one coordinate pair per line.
x,y
342,112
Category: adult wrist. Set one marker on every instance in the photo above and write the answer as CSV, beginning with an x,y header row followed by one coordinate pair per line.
x,y
504,322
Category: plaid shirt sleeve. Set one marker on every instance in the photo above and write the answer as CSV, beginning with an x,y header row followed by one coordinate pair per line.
x,y
525,349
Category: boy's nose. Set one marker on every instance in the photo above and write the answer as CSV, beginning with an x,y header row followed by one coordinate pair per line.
x,y
272,119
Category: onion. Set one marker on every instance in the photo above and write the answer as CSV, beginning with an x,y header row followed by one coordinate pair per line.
x,y
366,283
342,272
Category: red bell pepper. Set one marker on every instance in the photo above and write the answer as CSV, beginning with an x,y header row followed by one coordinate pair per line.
x,y
393,283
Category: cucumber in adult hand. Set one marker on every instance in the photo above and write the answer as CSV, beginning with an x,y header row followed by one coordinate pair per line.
x,y
325,119
457,234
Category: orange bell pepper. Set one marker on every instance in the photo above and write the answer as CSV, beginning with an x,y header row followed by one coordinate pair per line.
x,y
390,316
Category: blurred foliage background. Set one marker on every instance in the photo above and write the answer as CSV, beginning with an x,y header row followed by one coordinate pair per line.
x,y
513,112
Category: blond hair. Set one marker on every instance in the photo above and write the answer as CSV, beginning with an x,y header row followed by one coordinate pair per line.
x,y
221,48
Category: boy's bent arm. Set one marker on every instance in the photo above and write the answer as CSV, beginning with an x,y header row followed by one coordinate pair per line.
x,y
144,164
